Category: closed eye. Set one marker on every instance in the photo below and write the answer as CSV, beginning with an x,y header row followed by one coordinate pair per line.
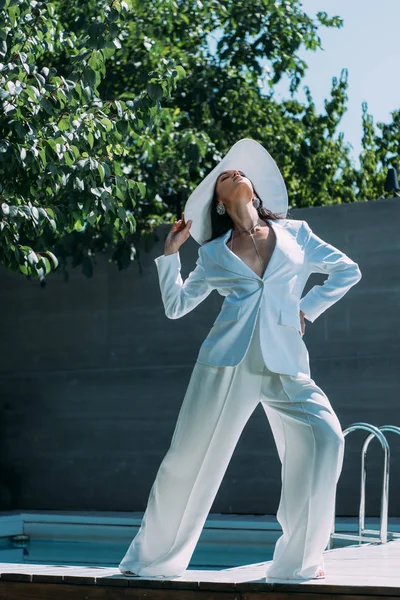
x,y
226,176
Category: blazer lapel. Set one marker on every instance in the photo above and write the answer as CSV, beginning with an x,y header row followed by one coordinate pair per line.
x,y
221,254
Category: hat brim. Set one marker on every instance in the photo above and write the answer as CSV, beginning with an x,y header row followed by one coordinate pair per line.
x,y
252,158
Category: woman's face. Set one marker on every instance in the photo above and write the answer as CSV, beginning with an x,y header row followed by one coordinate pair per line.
x,y
229,183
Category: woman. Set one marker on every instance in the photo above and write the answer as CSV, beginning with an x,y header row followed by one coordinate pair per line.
x,y
253,353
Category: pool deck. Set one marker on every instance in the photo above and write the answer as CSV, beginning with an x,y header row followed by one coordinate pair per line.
x,y
367,571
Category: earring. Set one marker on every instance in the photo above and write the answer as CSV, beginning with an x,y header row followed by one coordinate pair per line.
x,y
256,202
221,208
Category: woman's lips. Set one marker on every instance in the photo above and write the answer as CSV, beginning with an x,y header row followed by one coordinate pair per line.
x,y
237,176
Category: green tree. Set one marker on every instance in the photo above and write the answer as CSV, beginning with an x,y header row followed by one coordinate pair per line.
x,y
379,151
149,107
61,144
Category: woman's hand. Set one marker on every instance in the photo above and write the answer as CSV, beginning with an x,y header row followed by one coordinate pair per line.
x,y
177,235
303,323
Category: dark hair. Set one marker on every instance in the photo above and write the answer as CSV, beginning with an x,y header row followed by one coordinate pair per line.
x,y
220,224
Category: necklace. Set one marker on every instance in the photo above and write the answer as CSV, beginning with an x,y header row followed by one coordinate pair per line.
x,y
254,241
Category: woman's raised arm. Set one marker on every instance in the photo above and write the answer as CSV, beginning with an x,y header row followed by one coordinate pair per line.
x,y
180,297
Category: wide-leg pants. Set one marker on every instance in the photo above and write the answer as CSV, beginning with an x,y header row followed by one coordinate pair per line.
x,y
217,404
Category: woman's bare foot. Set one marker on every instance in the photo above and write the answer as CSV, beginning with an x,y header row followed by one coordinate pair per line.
x,y
321,573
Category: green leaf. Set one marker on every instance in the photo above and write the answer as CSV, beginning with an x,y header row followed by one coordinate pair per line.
x,y
96,191
155,91
52,257
79,225
113,15
32,92
13,13
121,213
119,108
32,258
107,124
64,124
101,172
90,139
75,150
106,202
89,75
119,193
95,60
35,214
79,183
46,105
91,218
181,71
25,270
122,127
69,158
53,144
42,154
47,264
141,187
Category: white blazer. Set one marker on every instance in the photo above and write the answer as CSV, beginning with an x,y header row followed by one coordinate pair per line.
x,y
298,252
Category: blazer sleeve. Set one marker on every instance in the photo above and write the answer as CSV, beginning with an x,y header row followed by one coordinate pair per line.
x,y
342,273
180,297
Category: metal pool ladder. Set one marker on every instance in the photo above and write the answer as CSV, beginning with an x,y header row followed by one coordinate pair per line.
x,y
365,535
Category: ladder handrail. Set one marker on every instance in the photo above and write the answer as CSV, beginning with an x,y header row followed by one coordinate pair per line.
x,y
374,432
385,489
391,429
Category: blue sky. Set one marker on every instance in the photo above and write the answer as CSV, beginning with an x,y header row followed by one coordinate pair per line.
x,y
368,46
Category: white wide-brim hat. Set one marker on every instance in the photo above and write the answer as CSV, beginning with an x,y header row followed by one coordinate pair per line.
x,y
248,156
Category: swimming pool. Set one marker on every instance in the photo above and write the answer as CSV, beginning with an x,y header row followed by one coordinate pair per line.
x,y
101,539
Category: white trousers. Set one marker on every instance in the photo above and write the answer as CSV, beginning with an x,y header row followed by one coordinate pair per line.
x,y
217,404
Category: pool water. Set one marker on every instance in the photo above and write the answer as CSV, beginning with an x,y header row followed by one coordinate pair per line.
x,y
110,554
227,541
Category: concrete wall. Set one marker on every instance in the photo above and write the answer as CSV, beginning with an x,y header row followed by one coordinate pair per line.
x,y
92,376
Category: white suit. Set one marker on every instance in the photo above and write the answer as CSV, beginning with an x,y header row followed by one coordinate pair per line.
x,y
298,253
253,353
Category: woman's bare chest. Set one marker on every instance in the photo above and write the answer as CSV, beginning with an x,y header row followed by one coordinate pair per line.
x,y
244,248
